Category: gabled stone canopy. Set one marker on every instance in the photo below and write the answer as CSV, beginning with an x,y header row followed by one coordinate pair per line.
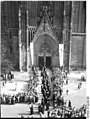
x,y
45,28
45,38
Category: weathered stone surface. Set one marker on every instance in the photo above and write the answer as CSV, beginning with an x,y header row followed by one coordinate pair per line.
x,y
59,15
51,44
9,55
78,52
66,33
79,17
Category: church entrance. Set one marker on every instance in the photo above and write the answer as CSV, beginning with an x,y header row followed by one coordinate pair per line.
x,y
44,61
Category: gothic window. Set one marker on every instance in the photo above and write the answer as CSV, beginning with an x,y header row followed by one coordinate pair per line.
x,y
45,6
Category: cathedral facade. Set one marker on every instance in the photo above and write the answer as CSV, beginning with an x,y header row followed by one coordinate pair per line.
x,y
43,33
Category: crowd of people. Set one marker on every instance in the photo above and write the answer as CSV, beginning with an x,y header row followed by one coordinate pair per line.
x,y
45,87
24,97
30,96
33,83
46,92
7,76
63,112
58,79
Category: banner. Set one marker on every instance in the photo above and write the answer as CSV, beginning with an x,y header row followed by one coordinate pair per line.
x,y
32,53
61,54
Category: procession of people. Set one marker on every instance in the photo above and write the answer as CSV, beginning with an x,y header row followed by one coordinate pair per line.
x,y
58,79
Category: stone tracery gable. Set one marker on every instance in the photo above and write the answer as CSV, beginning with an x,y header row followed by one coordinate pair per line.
x,y
45,28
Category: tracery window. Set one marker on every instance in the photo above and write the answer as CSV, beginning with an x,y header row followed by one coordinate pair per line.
x,y
46,6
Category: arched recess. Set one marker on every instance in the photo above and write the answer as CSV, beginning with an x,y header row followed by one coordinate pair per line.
x,y
51,44
45,33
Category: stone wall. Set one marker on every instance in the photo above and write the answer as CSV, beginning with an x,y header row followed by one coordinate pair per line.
x,y
9,36
55,61
79,16
24,36
58,19
61,25
78,35
78,51
32,13
9,54
67,33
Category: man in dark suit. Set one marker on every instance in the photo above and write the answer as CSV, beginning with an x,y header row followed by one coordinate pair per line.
x,y
31,109
47,105
69,104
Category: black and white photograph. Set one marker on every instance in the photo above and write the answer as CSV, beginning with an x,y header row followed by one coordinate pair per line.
x,y
43,59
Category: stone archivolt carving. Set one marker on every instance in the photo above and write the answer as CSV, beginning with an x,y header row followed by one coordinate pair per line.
x,y
45,48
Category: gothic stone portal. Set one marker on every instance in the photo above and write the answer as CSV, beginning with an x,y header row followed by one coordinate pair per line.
x,y
46,52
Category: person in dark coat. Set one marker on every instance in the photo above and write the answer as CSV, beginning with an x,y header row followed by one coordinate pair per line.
x,y
67,92
58,100
36,98
78,86
42,109
47,105
31,109
58,113
60,91
45,100
42,102
69,104
48,114
48,94
66,81
39,108
13,100
22,116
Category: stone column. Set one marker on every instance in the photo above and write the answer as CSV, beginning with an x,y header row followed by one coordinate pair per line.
x,y
72,9
20,43
24,35
28,49
30,62
66,33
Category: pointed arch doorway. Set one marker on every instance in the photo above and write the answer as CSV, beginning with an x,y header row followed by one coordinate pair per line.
x,y
45,56
46,45
44,61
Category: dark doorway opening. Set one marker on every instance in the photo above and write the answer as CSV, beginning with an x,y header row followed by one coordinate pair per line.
x,y
41,62
48,62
